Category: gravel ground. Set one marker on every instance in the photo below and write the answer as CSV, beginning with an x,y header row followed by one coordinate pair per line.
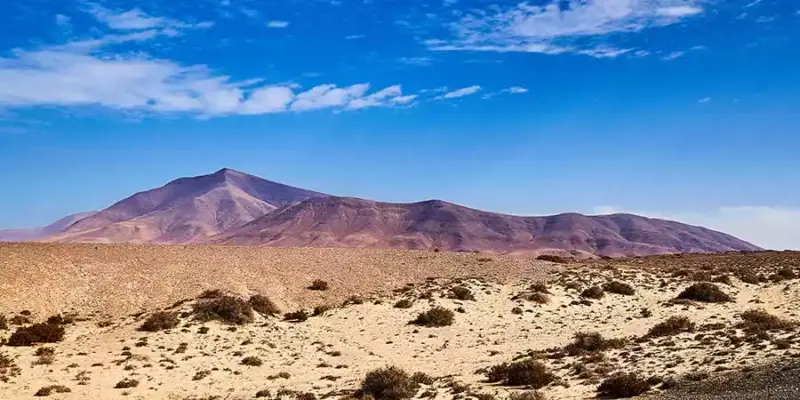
x,y
775,382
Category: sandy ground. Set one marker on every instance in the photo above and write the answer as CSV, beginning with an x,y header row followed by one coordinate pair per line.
x,y
329,355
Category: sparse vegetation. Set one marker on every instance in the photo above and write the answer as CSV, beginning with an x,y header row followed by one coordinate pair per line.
x,y
263,305
435,317
619,288
126,383
48,390
390,383
552,258
590,342
252,361
319,285
461,293
594,292
404,303
296,316
538,298
322,309
160,321
705,292
672,326
36,333
623,386
228,309
760,320
528,373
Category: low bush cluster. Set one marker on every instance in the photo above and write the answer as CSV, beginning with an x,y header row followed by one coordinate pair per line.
x,y
591,342
435,317
390,383
160,321
619,288
623,386
461,293
521,373
672,326
705,292
263,305
37,333
594,292
228,309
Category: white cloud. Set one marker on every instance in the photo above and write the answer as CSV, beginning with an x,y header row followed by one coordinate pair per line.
x,y
467,91
136,19
387,96
704,100
62,20
418,61
769,227
278,24
673,55
515,90
561,26
354,37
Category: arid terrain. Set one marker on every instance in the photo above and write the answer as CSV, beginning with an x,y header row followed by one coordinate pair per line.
x,y
202,322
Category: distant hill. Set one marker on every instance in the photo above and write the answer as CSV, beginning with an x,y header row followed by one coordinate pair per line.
x,y
186,210
22,235
350,222
234,208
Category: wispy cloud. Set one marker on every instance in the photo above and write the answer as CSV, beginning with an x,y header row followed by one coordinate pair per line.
x,y
467,91
418,61
84,73
136,19
704,100
278,24
354,37
562,26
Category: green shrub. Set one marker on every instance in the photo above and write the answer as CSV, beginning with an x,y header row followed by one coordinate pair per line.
x,y
435,317
263,305
36,333
619,288
159,321
623,386
705,292
672,326
390,383
228,309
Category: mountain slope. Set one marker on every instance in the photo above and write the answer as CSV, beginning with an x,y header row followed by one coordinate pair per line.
x,y
186,210
21,235
350,222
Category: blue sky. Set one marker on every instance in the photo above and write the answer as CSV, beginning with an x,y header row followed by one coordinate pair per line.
x,y
682,109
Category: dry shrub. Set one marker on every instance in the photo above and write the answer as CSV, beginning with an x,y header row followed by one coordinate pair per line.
x,y
590,342
159,321
760,320
551,258
619,288
263,305
319,284
594,292
725,279
211,294
296,316
787,273
422,378
435,317
61,319
749,277
228,309
126,384
539,287
461,293
403,303
322,309
532,395
672,326
623,386
390,383
36,333
48,390
705,292
529,373
497,373
252,361
539,298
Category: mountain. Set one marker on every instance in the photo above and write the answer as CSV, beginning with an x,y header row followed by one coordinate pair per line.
x,y
22,235
350,222
186,210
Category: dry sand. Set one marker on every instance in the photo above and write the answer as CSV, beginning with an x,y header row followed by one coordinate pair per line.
x,y
329,355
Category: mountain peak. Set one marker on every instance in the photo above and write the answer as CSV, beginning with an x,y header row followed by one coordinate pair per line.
x,y
228,172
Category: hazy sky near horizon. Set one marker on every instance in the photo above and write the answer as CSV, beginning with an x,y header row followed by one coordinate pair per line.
x,y
681,109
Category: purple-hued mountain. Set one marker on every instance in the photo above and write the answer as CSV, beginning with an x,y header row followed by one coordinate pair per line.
x,y
23,235
234,208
